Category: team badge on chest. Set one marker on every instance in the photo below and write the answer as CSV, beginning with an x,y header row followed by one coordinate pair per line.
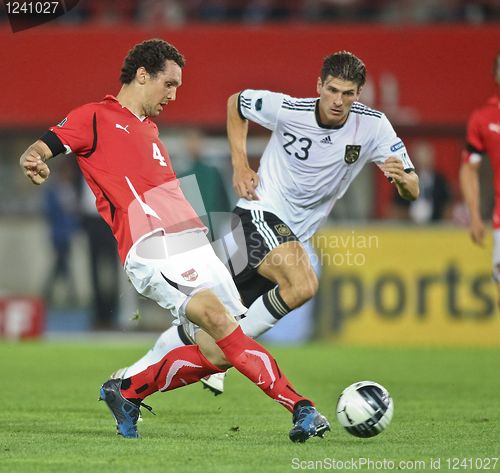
x,y
283,229
351,154
190,275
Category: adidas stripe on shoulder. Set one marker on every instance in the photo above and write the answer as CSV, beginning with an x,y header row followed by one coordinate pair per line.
x,y
361,109
301,105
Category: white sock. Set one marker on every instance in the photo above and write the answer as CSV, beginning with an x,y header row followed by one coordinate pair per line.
x,y
258,319
167,341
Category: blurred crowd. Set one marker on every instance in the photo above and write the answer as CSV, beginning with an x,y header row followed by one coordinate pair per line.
x,y
179,12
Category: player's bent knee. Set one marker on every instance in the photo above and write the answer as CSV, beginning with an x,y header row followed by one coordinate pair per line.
x,y
313,285
303,294
207,311
304,289
217,322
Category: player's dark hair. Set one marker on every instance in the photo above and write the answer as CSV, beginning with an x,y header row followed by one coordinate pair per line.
x,y
345,66
151,55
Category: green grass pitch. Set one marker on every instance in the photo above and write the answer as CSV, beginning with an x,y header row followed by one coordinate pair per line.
x,y
447,405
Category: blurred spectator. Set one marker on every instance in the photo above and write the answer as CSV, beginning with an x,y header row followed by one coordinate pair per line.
x,y
261,11
213,10
61,208
176,12
161,12
421,11
258,11
106,11
340,10
104,263
210,181
479,11
434,201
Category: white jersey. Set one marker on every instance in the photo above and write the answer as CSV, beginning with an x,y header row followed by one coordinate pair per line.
x,y
306,167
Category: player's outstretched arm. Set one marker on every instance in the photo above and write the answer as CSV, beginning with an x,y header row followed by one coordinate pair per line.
x,y
33,162
245,180
469,185
405,182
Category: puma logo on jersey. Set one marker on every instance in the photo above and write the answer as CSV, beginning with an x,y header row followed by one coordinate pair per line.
x,y
327,140
495,127
124,128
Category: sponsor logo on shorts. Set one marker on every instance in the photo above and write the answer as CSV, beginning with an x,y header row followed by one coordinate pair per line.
x,y
283,229
62,122
190,275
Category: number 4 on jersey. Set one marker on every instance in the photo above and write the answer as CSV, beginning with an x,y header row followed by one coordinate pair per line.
x,y
157,155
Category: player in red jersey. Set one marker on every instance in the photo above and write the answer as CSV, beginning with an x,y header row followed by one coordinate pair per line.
x,y
161,240
483,138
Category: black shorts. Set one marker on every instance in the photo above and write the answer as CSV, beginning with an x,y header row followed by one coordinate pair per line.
x,y
263,231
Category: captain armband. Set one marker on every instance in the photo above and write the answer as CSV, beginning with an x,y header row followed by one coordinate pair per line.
x,y
53,142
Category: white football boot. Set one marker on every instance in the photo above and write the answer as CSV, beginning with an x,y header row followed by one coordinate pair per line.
x,y
214,382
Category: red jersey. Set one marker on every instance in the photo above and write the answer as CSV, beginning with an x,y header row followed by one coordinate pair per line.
x,y
483,138
128,169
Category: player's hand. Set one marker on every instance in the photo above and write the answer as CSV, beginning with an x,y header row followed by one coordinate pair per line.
x,y
477,231
393,169
245,182
34,168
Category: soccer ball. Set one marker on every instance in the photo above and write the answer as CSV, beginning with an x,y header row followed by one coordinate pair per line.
x,y
365,409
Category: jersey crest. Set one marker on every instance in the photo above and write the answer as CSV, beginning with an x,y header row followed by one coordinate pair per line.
x,y
351,154
283,229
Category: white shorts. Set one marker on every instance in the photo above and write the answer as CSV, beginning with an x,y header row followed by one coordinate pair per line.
x,y
172,268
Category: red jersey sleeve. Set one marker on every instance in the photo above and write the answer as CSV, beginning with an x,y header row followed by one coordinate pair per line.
x,y
77,132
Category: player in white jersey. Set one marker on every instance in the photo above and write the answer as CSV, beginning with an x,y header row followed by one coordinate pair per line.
x,y
306,165
317,148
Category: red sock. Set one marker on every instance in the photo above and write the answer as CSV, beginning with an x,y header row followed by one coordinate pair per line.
x,y
257,364
179,367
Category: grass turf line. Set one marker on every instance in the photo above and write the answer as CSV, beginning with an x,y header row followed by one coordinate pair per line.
x,y
447,404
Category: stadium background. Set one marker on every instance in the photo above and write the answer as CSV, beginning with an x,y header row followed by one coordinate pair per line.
x,y
429,65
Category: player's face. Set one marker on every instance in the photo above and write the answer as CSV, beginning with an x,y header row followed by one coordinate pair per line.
x,y
161,88
336,97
